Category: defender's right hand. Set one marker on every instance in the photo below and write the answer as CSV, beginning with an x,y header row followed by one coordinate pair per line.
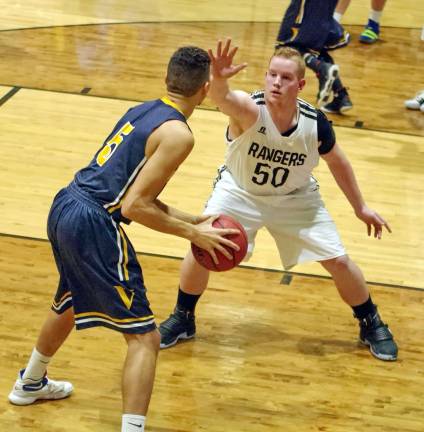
x,y
222,64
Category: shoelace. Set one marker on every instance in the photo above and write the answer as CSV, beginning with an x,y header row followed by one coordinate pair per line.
x,y
173,319
382,333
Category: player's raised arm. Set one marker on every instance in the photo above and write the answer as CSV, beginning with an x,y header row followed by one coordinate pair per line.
x,y
236,104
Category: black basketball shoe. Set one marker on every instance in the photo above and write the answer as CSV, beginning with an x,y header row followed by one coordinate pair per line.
x,y
375,334
340,103
179,325
327,74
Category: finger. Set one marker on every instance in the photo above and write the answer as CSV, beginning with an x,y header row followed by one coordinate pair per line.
x,y
383,223
213,255
238,68
201,218
226,47
225,252
230,244
227,231
369,229
219,49
232,52
213,218
211,56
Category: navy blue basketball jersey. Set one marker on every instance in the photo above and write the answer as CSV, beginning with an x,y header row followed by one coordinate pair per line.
x,y
307,23
122,156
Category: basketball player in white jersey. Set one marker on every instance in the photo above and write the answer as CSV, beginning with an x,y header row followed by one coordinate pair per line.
x,y
274,141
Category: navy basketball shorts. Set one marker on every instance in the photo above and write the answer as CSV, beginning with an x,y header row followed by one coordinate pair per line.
x,y
99,272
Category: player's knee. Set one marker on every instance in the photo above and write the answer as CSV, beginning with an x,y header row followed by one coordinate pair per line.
x,y
338,264
150,340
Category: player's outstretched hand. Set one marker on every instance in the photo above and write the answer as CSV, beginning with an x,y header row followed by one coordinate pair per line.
x,y
373,221
210,238
222,63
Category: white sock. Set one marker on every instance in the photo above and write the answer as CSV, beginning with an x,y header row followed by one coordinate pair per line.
x,y
375,15
337,16
36,367
133,423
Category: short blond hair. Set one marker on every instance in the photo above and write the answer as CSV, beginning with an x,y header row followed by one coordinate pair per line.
x,y
291,54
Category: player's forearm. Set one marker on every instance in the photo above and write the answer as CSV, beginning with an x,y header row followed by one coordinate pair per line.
x,y
346,180
175,213
156,217
222,95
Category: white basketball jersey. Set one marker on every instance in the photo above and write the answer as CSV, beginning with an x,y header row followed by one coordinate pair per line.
x,y
264,162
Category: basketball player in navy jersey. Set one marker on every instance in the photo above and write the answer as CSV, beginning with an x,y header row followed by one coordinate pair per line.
x,y
101,282
274,141
309,26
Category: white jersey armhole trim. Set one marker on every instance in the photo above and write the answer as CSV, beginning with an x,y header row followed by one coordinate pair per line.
x,y
247,131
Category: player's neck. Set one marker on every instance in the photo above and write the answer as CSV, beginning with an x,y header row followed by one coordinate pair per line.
x,y
185,105
284,115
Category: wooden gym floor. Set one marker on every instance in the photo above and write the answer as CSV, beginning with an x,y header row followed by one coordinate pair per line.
x,y
274,351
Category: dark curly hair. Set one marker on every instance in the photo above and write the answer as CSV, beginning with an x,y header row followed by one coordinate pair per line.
x,y
188,70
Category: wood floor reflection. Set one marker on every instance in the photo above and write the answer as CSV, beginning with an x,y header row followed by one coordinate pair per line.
x,y
127,61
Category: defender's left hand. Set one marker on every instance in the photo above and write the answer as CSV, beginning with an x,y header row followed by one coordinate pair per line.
x,y
372,219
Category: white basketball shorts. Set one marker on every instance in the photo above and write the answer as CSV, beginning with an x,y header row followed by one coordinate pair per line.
x,y
300,224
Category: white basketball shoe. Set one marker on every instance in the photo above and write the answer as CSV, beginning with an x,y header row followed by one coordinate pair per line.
x,y
27,391
417,102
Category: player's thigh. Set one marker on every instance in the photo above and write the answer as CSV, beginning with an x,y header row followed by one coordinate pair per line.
x,y
305,232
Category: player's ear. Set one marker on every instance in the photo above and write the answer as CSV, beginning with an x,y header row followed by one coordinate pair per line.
x,y
302,83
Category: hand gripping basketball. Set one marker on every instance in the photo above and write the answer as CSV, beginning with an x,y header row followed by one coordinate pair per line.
x,y
204,258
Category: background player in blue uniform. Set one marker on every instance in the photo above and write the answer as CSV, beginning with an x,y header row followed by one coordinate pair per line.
x,y
101,282
309,26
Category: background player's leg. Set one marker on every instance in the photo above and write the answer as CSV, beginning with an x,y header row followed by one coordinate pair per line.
x,y
341,101
341,7
326,72
352,287
372,29
139,371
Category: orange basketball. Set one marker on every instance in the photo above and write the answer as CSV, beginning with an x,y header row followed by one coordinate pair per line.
x,y
204,258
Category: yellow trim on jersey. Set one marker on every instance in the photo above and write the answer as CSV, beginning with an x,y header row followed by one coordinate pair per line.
x,y
116,320
67,294
294,31
125,252
124,297
299,17
117,206
169,102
